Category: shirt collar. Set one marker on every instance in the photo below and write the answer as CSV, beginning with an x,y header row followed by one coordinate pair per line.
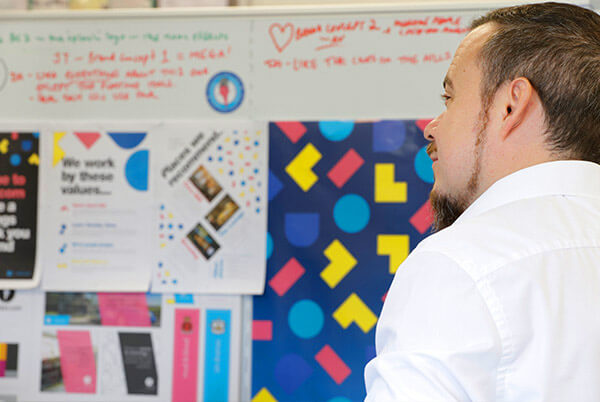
x,y
575,178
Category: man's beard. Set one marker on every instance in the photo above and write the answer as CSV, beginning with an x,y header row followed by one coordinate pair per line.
x,y
447,207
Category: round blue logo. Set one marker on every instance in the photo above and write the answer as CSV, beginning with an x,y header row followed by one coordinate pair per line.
x,y
225,92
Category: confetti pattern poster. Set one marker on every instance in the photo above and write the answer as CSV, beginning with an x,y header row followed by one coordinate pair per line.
x,y
211,181
347,202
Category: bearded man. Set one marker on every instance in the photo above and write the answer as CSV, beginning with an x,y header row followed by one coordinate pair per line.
x,y
501,303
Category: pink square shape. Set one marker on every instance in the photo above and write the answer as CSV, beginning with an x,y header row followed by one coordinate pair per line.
x,y
345,168
333,365
283,280
423,218
294,130
262,330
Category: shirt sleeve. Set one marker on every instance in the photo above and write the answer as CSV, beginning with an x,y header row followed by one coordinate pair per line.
x,y
435,339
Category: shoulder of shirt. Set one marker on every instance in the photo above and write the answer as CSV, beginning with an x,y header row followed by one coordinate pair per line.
x,y
507,234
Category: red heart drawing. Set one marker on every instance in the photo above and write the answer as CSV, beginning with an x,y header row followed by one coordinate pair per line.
x,y
281,35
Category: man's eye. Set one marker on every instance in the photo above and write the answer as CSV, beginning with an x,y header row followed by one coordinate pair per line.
x,y
445,97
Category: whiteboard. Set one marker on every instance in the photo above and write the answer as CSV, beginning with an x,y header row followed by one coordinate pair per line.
x,y
353,62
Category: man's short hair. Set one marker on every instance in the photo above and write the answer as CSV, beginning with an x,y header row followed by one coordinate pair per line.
x,y
557,48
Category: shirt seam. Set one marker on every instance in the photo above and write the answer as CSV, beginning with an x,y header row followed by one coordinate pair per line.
x,y
494,267
482,209
479,273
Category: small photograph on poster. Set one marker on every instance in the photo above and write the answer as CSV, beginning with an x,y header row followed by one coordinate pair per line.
x,y
205,183
222,212
8,359
139,364
72,309
107,309
68,362
203,241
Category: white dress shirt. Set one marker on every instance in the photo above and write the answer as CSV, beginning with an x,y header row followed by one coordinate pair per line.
x,y
503,305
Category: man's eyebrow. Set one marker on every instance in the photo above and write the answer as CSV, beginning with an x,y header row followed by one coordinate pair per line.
x,y
447,84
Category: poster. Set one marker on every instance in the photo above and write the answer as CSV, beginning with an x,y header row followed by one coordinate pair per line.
x,y
211,186
19,171
99,347
337,237
19,334
119,347
99,209
139,363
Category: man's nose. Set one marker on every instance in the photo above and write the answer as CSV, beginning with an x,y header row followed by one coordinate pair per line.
x,y
429,132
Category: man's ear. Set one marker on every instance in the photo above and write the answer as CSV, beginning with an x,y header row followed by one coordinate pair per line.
x,y
518,95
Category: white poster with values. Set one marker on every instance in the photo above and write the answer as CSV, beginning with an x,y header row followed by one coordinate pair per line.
x,y
98,217
211,188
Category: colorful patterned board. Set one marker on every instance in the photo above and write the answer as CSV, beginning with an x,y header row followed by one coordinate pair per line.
x,y
347,201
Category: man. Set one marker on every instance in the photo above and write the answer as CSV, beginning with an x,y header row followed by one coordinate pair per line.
x,y
502,303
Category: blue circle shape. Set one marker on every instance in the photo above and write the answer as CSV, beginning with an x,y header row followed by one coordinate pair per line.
x,y
136,170
351,213
223,79
15,159
336,130
339,399
269,245
306,319
423,166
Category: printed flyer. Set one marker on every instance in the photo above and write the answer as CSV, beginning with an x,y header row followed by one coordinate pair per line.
x,y
99,210
19,166
101,347
19,334
130,347
211,186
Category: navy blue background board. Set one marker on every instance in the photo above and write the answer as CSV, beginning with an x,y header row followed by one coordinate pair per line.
x,y
347,200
